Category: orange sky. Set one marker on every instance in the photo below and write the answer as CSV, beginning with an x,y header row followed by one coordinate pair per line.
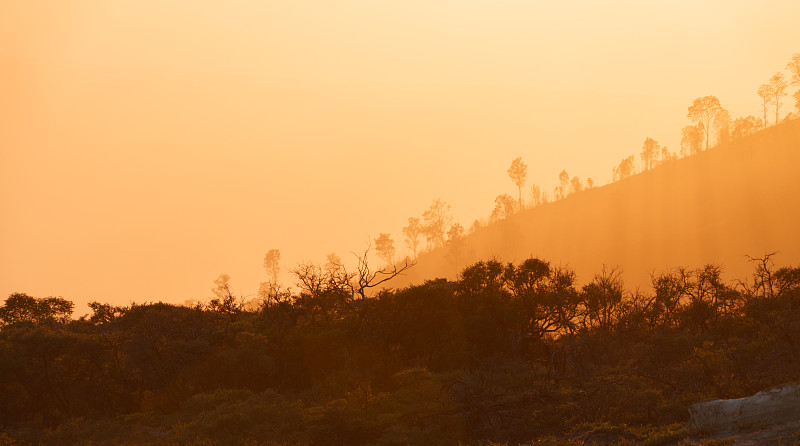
x,y
148,146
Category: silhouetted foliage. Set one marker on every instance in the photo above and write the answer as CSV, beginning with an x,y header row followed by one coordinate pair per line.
x,y
517,173
270,291
413,232
777,89
19,308
691,140
651,150
436,220
625,169
705,111
794,71
745,127
561,190
504,207
505,353
384,245
765,93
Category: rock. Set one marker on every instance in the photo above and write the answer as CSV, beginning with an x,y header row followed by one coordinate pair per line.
x,y
779,405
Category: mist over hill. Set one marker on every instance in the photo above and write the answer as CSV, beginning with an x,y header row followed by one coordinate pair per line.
x,y
717,206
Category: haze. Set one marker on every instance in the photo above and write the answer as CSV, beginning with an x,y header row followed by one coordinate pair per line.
x,y
145,147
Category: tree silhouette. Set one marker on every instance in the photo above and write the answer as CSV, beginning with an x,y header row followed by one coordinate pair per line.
x,y
602,297
765,93
722,126
455,233
412,233
704,111
225,302
272,265
455,237
624,169
517,173
537,197
744,127
332,263
691,140
384,245
104,313
563,185
666,155
365,278
19,307
269,290
794,71
777,89
650,152
435,222
575,185
504,207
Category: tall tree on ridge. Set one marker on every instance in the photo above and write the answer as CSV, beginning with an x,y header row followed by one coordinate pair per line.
x,y
436,221
765,93
517,172
412,233
794,70
704,111
650,151
777,87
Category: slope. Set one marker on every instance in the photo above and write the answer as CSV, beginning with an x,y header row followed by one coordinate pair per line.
x,y
717,206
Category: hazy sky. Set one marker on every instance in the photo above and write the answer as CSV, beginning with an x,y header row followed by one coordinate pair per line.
x,y
148,146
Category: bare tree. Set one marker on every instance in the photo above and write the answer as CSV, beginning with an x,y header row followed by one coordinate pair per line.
x,y
366,279
517,173
311,278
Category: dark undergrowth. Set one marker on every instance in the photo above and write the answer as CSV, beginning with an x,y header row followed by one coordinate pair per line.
x,y
506,354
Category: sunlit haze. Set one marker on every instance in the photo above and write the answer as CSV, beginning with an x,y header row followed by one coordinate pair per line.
x,y
146,147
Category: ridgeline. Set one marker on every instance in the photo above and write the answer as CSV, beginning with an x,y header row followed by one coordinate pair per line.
x,y
715,207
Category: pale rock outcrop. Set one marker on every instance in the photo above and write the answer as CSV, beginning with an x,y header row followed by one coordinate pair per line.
x,y
779,405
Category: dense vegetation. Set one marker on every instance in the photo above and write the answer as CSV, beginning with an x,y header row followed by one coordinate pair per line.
x,y
505,354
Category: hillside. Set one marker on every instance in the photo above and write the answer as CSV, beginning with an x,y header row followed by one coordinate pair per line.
x,y
714,207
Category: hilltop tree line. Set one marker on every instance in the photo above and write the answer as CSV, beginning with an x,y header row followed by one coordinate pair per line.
x,y
504,353
711,125
712,122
